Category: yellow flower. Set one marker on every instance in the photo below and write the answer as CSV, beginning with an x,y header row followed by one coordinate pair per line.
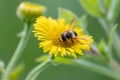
x,y
50,32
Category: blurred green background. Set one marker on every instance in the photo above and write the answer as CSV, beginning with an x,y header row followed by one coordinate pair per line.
x,y
10,26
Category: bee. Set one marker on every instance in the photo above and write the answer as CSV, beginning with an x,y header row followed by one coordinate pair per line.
x,y
69,33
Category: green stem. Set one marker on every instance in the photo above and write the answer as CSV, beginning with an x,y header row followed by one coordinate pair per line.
x,y
91,66
18,52
38,69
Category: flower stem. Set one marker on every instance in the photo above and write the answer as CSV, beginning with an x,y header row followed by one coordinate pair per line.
x,y
90,66
38,69
18,52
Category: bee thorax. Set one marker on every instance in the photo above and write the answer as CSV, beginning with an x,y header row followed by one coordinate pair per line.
x,y
68,35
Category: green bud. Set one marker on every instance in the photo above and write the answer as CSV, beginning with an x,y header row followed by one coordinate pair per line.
x,y
28,11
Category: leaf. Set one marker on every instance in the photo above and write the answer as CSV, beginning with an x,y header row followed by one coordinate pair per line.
x,y
107,4
104,50
17,71
104,5
92,7
113,10
83,23
111,37
68,15
83,63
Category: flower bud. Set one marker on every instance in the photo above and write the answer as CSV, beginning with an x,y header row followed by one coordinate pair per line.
x,y
28,11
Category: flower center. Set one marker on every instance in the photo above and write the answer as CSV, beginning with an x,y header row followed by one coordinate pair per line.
x,y
67,43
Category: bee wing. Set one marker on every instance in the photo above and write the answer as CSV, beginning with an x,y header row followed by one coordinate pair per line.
x,y
73,21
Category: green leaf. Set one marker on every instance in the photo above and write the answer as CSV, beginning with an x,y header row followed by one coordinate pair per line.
x,y
113,10
104,50
107,3
68,16
83,23
111,37
17,71
83,63
104,5
92,7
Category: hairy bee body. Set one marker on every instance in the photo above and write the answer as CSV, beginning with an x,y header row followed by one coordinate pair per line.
x,y
69,33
